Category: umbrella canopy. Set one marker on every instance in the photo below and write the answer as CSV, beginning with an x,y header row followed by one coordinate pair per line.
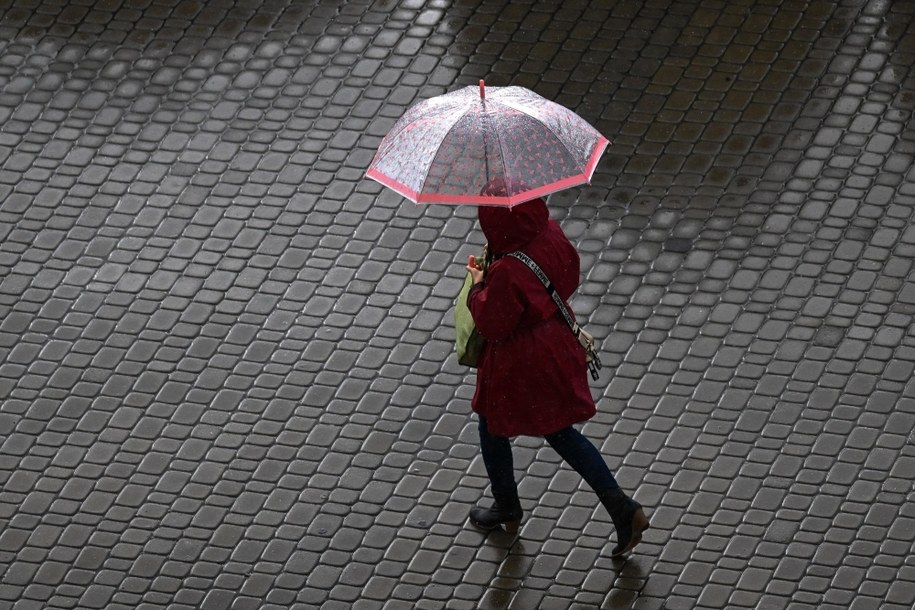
x,y
447,149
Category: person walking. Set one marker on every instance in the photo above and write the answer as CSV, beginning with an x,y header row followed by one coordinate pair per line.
x,y
532,375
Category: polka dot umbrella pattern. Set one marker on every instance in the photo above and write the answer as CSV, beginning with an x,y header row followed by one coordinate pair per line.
x,y
448,148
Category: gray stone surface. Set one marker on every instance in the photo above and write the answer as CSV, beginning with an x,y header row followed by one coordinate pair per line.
x,y
226,371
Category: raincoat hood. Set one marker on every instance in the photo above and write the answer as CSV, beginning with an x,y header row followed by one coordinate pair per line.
x,y
510,229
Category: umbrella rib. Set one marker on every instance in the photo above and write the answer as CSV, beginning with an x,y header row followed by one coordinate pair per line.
x,y
545,125
508,184
437,148
520,109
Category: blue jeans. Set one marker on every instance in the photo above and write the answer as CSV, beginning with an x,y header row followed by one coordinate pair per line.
x,y
569,443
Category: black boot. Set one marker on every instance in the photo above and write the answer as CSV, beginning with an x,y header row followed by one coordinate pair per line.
x,y
507,514
628,518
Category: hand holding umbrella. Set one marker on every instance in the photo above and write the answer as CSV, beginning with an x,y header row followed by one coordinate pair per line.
x,y
476,273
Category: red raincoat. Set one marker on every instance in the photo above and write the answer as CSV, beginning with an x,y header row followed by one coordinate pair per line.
x,y
532,379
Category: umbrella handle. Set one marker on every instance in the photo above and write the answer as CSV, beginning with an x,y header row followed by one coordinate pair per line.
x,y
482,90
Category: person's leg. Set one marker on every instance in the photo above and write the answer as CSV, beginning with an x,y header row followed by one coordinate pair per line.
x,y
497,457
629,519
584,458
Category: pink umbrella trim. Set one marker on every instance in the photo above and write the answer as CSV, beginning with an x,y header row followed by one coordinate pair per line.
x,y
547,189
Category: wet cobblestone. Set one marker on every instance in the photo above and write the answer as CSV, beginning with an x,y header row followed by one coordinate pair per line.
x,y
226,371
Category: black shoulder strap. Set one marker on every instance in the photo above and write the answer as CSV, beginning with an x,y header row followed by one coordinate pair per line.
x,y
586,340
527,260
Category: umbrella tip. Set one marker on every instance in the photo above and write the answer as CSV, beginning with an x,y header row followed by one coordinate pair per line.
x,y
482,90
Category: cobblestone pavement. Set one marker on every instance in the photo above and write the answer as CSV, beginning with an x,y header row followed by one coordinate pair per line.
x,y
226,371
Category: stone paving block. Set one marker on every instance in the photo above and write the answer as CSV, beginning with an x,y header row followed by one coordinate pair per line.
x,y
225,374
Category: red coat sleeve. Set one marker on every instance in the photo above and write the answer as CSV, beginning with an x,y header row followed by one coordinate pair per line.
x,y
497,304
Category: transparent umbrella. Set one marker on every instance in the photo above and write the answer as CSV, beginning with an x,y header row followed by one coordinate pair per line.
x,y
447,149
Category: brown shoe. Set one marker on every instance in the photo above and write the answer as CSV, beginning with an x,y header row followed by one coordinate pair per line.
x,y
628,518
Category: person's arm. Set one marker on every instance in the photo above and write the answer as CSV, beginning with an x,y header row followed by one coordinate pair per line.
x,y
496,304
